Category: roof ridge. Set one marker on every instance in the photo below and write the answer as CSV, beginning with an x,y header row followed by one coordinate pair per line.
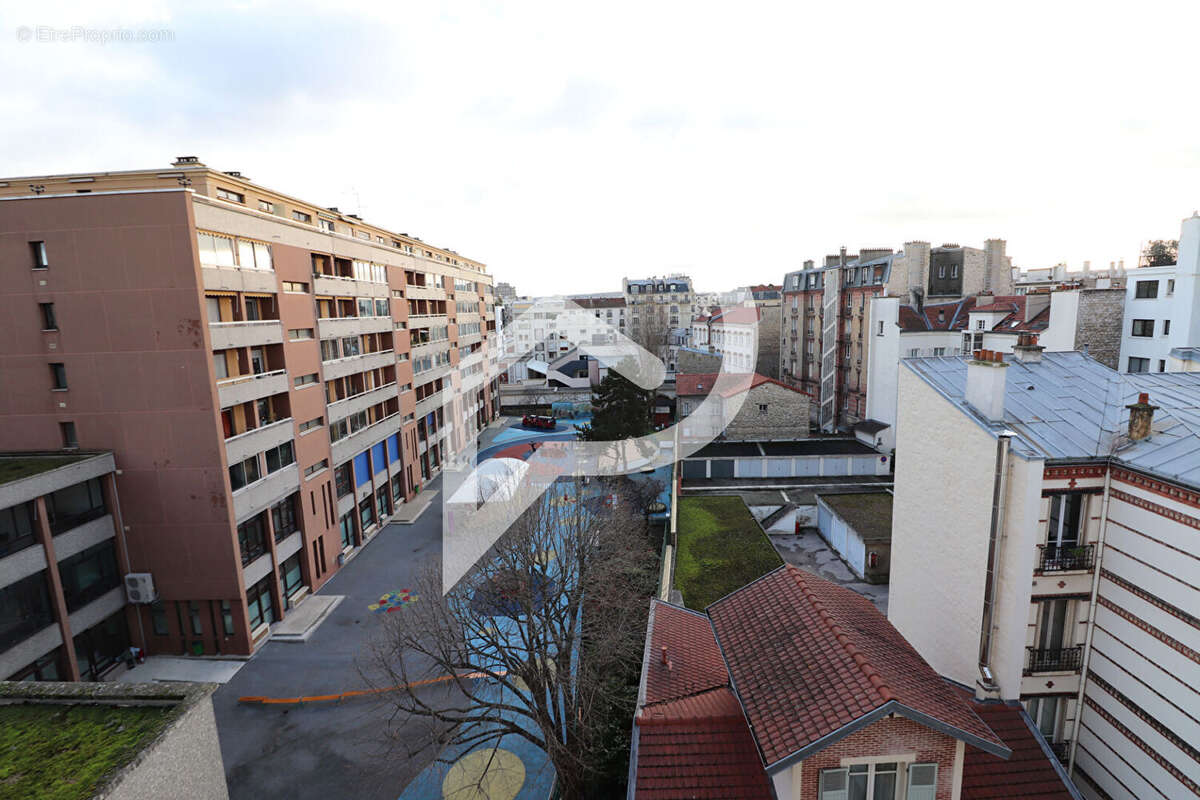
x,y
873,675
688,695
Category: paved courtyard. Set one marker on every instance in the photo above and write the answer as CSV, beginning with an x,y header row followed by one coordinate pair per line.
x,y
810,552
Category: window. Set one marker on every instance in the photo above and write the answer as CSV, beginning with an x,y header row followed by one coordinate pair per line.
x,y
289,576
1162,365
1139,364
1143,327
49,323
397,488
762,409
69,436
58,374
1170,286
24,609
279,457
305,380
300,334
325,224
922,781
227,617
343,480
38,250
252,541
215,251
283,518
346,525
860,782
17,528
381,503
244,473
71,507
158,618
1146,289
88,575
300,216
254,255
294,286
230,195
1166,327
914,352
311,425
979,325
102,646
194,615
939,351
315,468
366,514
880,328
330,349
259,605
267,206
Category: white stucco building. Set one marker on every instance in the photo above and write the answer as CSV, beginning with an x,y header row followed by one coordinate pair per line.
x,y
1044,549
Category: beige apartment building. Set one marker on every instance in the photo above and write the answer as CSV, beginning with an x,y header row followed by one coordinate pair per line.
x,y
273,378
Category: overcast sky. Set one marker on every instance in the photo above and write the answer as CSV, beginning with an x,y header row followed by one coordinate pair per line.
x,y
567,145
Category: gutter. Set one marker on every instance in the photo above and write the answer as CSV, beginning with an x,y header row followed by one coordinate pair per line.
x,y
987,680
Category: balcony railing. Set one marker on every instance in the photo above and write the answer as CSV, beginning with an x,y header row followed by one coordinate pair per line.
x,y
1053,659
1060,558
1061,750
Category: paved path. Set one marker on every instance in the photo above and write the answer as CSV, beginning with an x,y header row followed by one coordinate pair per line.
x,y
810,552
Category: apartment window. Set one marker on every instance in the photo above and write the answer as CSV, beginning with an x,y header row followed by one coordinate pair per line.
x,y
922,781
296,287
227,617
194,618
24,609
330,349
259,605
300,334
366,514
762,409
230,195
267,206
158,618
311,425
252,541
283,517
88,575
914,352
1139,364
1170,286
38,250
300,216
102,646
939,351
58,375
49,323
244,473
979,325
289,576
397,488
71,507
69,436
1166,327
346,526
1162,365
215,251
351,346
17,528
325,224
315,468
880,328
1066,514
343,480
1146,289
381,502
279,457
305,380
1143,327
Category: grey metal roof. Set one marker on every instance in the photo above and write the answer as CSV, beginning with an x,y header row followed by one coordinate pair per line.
x,y
1069,406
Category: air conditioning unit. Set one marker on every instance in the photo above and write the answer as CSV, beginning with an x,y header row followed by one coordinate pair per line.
x,y
139,587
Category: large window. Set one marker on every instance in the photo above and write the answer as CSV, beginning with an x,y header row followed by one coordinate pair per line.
x,y
244,473
279,457
259,605
381,503
283,518
1146,289
1139,364
347,529
1143,327
215,251
343,480
17,529
366,514
879,781
101,646
289,576
251,540
90,574
71,507
24,609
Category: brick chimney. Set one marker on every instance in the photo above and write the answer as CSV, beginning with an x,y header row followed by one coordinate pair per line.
x,y
1027,349
985,384
1141,414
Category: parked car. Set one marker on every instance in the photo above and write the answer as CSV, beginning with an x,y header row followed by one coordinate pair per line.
x,y
538,421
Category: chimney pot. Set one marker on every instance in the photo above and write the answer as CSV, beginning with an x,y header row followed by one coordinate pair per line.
x,y
1141,417
664,656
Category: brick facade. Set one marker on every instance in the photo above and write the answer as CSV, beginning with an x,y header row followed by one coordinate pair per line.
x,y
1098,325
891,735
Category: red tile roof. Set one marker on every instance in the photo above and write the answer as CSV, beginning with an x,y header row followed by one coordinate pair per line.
x,y
1028,773
698,747
695,660
694,384
808,658
1006,303
953,316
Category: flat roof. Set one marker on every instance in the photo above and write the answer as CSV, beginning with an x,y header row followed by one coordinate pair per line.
x,y
15,466
868,513
801,447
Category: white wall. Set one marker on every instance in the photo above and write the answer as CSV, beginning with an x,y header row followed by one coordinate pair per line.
x,y
1156,347
883,364
1059,335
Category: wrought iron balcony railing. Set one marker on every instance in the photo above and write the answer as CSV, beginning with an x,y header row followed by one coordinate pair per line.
x,y
1053,659
1060,558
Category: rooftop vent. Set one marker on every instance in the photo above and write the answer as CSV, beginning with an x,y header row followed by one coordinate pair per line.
x,y
187,161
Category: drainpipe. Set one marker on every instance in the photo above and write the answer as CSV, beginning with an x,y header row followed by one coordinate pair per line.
x,y
987,681
1087,647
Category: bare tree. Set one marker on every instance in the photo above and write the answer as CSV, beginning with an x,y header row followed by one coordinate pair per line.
x,y
651,331
540,640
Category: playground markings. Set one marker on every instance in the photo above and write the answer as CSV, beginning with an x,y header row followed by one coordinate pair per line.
x,y
491,774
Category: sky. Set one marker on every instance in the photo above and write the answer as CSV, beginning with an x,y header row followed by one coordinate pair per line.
x,y
569,145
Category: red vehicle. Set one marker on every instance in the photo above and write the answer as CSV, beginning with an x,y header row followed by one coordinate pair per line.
x,y
538,421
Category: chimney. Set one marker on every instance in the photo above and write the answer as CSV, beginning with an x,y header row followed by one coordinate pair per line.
x,y
666,662
1141,414
1027,350
985,384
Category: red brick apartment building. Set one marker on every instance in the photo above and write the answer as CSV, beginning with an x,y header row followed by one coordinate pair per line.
x,y
267,373
794,688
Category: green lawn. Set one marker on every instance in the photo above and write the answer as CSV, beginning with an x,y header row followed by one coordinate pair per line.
x,y
721,548
63,752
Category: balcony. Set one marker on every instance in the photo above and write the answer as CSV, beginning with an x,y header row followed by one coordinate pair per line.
x,y
345,449
414,292
1053,659
340,409
1061,750
265,492
226,335
239,448
1055,558
337,285
246,388
341,367
352,326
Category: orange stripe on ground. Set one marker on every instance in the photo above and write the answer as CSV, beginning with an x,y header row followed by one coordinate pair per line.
x,y
327,698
